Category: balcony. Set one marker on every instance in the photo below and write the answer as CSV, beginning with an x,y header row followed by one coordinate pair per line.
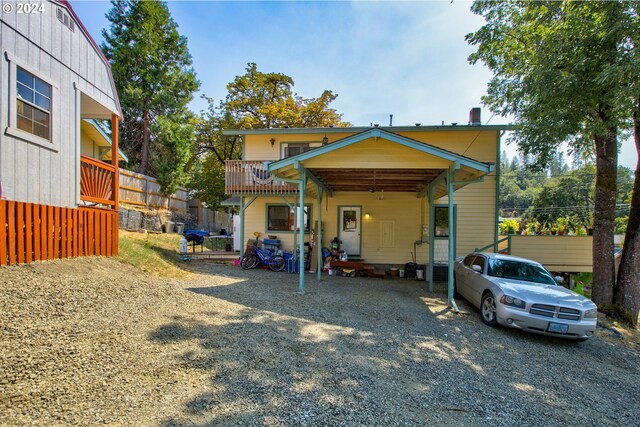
x,y
96,182
251,177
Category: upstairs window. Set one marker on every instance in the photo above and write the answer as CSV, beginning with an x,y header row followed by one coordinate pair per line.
x,y
33,104
294,148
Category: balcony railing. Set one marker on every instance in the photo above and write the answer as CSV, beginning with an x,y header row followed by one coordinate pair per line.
x,y
96,181
251,177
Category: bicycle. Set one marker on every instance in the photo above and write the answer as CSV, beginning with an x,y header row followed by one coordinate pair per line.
x,y
262,257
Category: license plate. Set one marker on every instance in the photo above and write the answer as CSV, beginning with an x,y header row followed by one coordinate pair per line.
x,y
558,328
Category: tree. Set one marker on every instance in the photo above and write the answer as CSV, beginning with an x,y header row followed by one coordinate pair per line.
x,y
255,100
556,69
151,66
627,294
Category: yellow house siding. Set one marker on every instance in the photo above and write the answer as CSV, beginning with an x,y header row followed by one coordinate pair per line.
x,y
476,215
381,154
396,222
478,145
258,147
557,253
88,146
404,209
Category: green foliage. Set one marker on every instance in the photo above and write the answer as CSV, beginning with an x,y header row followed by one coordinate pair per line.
x,y
255,100
258,100
509,226
557,69
173,149
151,66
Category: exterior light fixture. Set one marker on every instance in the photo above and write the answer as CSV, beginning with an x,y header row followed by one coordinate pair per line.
x,y
272,141
367,215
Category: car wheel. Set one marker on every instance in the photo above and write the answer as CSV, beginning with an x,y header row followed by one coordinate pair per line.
x,y
488,309
456,294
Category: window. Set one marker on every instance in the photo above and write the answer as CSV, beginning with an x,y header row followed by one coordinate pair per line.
x,y
294,148
282,218
442,221
468,261
480,262
33,104
65,19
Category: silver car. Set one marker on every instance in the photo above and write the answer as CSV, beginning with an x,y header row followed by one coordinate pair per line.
x,y
522,294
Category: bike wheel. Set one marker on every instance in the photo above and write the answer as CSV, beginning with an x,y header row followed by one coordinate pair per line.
x,y
249,262
277,263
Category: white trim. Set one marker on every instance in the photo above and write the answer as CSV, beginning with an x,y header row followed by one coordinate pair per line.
x,y
12,129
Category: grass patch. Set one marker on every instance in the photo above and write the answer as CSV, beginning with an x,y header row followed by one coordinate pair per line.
x,y
155,254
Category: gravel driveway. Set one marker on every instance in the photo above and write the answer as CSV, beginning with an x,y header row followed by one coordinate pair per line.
x,y
93,341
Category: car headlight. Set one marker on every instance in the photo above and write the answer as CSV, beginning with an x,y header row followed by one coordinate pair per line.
x,y
513,301
592,313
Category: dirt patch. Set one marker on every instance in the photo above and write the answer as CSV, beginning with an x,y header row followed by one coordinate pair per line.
x,y
92,341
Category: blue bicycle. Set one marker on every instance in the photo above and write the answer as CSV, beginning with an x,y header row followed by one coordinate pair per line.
x,y
262,257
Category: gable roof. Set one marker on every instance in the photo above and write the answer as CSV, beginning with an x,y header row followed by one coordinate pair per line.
x,y
67,5
390,136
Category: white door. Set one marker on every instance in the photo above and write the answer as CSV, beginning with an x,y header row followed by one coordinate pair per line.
x,y
349,222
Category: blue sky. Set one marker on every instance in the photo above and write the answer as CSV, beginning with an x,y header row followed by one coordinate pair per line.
x,y
408,59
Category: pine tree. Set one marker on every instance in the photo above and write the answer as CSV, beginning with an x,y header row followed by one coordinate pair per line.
x,y
152,70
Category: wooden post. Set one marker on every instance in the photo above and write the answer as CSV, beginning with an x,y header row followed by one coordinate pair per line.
x,y
116,177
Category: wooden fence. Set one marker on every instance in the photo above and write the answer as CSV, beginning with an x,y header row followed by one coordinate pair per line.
x,y
31,232
142,190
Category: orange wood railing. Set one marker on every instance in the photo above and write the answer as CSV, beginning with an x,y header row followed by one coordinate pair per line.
x,y
251,177
31,232
96,181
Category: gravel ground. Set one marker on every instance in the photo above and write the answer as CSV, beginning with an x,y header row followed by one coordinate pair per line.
x,y
92,341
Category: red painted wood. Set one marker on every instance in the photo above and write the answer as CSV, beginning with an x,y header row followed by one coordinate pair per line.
x,y
3,232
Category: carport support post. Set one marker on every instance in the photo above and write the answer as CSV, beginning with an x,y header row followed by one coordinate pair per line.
x,y
319,231
432,233
452,236
241,227
295,224
302,187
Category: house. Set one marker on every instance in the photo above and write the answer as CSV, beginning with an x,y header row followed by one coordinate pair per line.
x,y
385,192
58,176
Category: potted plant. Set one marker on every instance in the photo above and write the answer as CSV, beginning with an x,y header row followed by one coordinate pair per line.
x,y
533,227
562,223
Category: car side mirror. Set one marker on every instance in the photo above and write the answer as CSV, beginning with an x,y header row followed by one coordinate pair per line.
x,y
476,268
559,280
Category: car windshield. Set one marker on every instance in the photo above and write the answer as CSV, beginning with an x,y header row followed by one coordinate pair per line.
x,y
519,270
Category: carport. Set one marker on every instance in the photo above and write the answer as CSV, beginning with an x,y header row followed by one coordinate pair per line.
x,y
377,158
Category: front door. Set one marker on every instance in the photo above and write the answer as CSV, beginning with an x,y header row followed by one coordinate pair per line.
x,y
349,225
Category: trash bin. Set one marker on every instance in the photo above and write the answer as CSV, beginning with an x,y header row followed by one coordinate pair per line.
x,y
170,226
179,227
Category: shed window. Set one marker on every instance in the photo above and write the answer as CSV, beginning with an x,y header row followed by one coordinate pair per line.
x,y
282,218
33,104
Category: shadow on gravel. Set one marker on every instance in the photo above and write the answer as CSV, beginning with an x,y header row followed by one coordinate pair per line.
x,y
374,352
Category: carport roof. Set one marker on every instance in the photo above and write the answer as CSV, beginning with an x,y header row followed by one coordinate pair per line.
x,y
398,178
